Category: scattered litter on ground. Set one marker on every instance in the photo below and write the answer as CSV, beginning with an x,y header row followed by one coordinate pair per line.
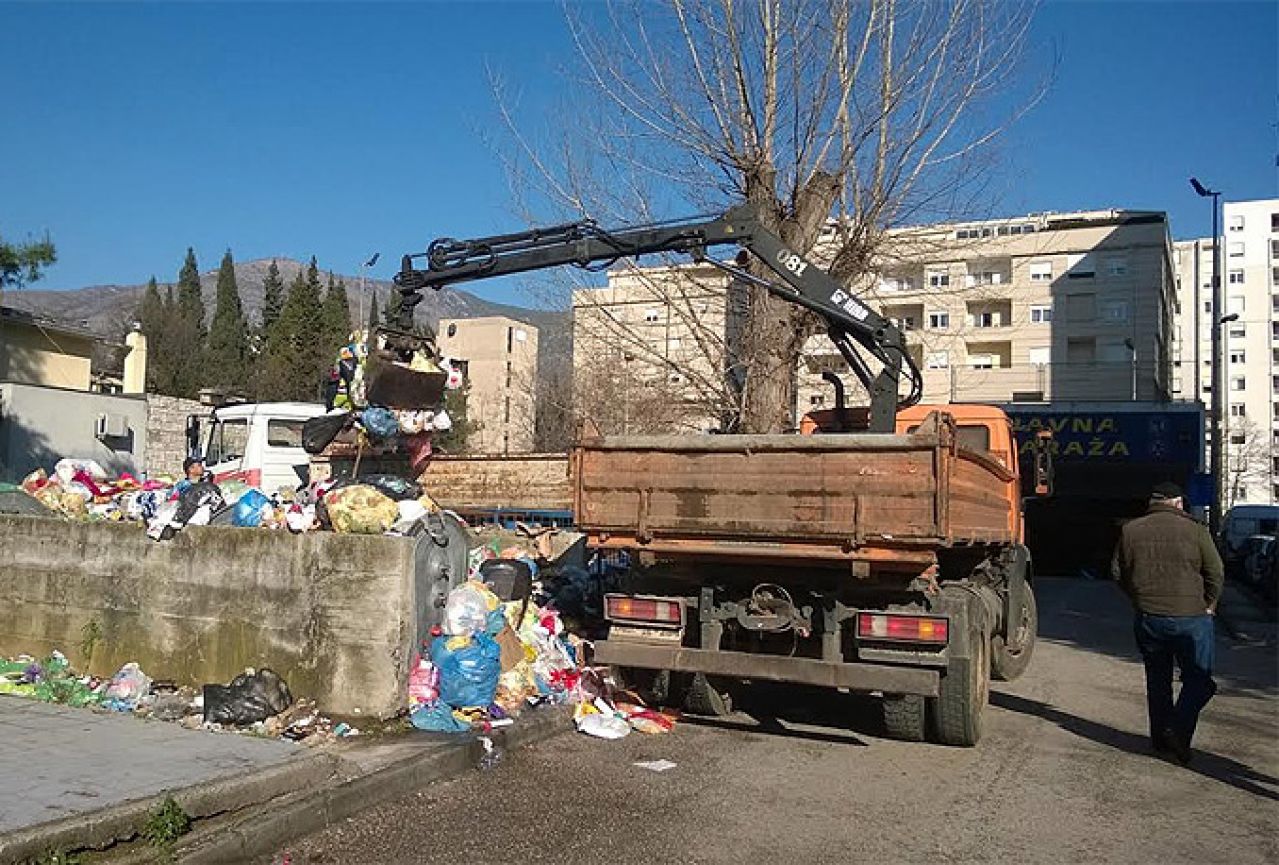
x,y
656,765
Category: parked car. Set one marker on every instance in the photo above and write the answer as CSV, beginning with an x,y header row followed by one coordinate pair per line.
x,y
1241,523
1260,561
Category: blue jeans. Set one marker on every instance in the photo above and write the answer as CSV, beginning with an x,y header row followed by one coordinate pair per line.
x,y
1189,641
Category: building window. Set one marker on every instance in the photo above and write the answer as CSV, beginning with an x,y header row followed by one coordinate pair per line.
x,y
1115,311
817,400
1079,265
1041,271
1081,307
1081,350
984,319
1041,314
938,279
521,335
1208,306
1274,276
1274,249
905,322
1235,249
1236,223
652,315
1237,410
1116,266
1239,439
984,277
938,360
1237,356
1237,331
1040,356
939,320
1274,222
981,361
1238,383
674,343
1234,277
895,283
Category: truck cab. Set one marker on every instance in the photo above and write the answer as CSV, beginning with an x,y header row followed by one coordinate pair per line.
x,y
257,443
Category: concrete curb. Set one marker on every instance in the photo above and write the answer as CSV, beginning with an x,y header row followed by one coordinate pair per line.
x,y
101,828
260,834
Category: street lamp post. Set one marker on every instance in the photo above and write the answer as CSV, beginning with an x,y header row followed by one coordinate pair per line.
x,y
1132,347
1214,507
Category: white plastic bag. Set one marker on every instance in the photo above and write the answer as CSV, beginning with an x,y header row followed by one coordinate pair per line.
x,y
603,726
465,612
65,469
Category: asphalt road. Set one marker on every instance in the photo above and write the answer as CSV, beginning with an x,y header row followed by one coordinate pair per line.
x,y
1062,776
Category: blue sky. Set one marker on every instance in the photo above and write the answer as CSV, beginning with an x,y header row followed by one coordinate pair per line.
x,y
129,132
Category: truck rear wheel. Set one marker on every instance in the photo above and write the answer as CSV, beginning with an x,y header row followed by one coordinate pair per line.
x,y
708,696
1010,657
904,717
956,712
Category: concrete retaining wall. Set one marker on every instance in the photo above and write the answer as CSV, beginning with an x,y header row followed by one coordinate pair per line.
x,y
333,614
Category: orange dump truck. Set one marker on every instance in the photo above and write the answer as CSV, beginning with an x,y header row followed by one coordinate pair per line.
x,y
872,562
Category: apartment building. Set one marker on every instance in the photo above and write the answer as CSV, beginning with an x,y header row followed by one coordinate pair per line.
x,y
1050,307
650,349
498,356
1249,343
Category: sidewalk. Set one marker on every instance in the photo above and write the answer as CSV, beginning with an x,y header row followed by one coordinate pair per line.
x,y
76,779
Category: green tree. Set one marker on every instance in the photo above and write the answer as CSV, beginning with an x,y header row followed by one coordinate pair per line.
x,y
154,317
227,351
20,263
272,297
187,329
300,359
336,313
455,440
373,314
391,311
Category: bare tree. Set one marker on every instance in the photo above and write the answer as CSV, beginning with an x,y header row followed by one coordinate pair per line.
x,y
877,113
1248,459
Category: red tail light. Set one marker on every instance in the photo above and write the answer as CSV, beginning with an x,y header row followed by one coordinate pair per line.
x,y
893,627
639,609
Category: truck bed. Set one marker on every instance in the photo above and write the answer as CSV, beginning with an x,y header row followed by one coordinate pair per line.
x,y
833,497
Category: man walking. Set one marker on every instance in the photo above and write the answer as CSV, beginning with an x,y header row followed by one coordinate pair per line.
x,y
1166,563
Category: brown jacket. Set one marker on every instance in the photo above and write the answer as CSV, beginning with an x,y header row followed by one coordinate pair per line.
x,y
1166,562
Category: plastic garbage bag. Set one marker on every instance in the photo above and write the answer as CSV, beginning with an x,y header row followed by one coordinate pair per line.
x,y
360,509
469,669
465,611
204,494
436,717
424,682
250,508
250,697
127,688
380,423
319,432
392,486
66,470
603,726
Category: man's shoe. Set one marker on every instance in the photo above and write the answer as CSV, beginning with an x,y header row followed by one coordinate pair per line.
x,y
1177,746
1159,744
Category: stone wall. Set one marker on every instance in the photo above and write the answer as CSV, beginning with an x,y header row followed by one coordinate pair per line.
x,y
166,432
333,614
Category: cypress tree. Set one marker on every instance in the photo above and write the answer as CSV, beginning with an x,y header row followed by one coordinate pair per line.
x,y
272,297
188,328
300,338
152,316
228,346
337,316
373,316
392,309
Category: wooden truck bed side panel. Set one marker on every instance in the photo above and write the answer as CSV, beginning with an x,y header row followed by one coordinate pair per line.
x,y
980,502
510,482
833,496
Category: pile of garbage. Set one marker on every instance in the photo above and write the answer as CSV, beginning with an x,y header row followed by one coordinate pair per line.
x,y
492,658
256,702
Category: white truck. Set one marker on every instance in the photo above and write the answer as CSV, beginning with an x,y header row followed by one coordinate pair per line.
x,y
257,443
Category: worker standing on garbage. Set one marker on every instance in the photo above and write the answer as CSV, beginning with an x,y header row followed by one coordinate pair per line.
x,y
1168,566
193,468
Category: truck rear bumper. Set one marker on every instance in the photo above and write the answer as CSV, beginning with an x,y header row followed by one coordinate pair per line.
x,y
743,665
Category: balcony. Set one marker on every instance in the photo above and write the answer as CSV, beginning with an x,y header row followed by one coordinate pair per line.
x,y
1083,382
984,314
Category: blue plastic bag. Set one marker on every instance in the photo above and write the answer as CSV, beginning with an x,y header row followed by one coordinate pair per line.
x,y
247,511
469,674
379,423
436,717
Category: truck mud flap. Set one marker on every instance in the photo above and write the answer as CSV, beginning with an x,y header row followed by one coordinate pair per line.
x,y
772,668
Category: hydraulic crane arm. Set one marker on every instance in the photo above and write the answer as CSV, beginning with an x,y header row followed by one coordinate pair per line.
x,y
584,244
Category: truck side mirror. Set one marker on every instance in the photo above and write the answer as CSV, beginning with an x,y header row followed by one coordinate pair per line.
x,y
1043,463
193,435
